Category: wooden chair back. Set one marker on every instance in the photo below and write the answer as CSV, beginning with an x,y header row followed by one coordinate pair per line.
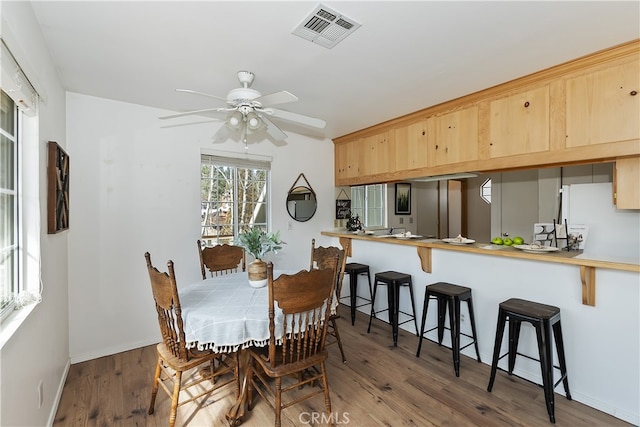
x,y
165,295
305,300
220,259
322,257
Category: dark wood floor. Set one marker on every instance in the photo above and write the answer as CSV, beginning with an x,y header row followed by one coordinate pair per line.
x,y
378,386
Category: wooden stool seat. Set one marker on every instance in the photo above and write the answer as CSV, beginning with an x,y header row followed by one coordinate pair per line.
x,y
449,295
354,270
393,280
545,319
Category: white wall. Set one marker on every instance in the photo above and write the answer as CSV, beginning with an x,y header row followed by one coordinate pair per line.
x,y
602,343
39,349
135,188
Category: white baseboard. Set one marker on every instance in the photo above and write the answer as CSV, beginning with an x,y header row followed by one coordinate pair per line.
x,y
58,396
77,358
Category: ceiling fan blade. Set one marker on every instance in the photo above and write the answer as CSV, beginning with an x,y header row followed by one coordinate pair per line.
x,y
298,118
188,113
274,131
195,92
276,98
222,134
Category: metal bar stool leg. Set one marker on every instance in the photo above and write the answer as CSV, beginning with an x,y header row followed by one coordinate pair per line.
x,y
413,306
502,318
425,307
353,286
473,328
454,326
557,333
393,296
544,348
373,311
514,337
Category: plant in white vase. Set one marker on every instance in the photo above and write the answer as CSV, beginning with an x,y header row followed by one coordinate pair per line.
x,y
258,243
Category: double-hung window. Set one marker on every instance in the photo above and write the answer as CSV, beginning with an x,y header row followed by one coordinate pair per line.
x,y
9,277
369,203
234,196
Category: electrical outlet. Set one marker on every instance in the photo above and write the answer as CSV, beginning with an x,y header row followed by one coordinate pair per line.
x,y
40,394
290,225
461,317
401,220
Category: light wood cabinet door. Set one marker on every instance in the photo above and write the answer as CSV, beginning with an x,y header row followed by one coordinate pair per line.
x,y
340,161
453,137
626,181
409,146
519,123
347,156
603,106
374,154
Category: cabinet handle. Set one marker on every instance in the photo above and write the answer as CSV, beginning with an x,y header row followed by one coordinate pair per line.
x,y
526,104
633,93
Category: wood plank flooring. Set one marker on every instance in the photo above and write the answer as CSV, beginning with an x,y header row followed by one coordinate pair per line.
x,y
378,386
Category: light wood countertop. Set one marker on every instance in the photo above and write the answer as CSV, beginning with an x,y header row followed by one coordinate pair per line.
x,y
587,264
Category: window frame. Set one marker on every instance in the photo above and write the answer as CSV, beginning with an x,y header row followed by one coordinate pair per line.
x,y
15,278
369,195
262,208
485,191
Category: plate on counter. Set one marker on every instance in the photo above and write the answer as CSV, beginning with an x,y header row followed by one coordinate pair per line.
x,y
405,237
459,241
536,249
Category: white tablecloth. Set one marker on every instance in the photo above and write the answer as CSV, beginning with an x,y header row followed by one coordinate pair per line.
x,y
225,313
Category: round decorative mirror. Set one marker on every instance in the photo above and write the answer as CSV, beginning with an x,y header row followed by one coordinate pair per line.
x,y
301,203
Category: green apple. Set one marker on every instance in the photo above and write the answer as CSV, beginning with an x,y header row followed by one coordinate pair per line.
x,y
507,241
497,241
518,240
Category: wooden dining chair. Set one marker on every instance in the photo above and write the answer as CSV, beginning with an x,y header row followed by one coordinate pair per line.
x,y
174,358
296,352
220,259
320,258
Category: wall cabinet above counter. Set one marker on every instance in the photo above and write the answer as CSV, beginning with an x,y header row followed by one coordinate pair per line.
x,y
583,111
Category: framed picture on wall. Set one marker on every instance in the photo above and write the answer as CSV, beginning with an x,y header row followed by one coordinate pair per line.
x,y
58,188
403,199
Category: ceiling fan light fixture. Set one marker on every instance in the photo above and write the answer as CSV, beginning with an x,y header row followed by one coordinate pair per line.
x,y
235,119
253,121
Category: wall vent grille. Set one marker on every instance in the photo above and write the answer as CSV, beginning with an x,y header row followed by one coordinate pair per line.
x,y
325,27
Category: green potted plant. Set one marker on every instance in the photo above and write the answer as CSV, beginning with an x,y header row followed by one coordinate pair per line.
x,y
258,243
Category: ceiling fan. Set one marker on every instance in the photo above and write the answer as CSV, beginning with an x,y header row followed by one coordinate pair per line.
x,y
250,112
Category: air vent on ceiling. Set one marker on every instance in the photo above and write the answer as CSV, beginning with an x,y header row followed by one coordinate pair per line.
x,y
325,27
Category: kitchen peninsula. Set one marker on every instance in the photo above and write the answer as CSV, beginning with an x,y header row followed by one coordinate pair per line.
x,y
424,248
602,336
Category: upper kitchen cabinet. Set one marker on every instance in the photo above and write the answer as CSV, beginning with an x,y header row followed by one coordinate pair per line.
x,y
604,106
375,155
453,137
409,145
347,160
583,111
626,183
519,123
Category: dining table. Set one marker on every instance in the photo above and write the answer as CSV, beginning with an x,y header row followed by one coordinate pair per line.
x,y
224,314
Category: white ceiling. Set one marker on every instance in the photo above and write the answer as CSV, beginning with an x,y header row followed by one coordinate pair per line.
x,y
406,56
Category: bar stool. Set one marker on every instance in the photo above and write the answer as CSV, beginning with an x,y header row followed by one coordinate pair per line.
x,y
393,280
449,295
544,318
354,270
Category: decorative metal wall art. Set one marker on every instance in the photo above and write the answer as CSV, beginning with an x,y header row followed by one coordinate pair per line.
x,y
58,188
